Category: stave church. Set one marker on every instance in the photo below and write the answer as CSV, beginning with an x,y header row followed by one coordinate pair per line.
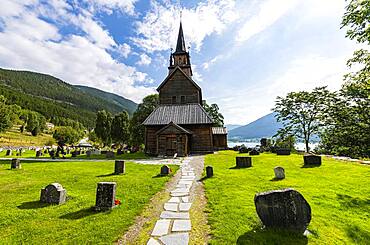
x,y
180,125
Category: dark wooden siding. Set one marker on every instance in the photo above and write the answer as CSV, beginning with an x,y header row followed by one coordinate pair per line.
x,y
179,85
219,141
151,140
201,139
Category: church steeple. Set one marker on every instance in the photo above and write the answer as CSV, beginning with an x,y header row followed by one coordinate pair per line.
x,y
180,57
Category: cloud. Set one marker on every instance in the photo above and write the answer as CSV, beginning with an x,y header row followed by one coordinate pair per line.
x,y
29,42
124,50
269,12
108,6
157,31
144,60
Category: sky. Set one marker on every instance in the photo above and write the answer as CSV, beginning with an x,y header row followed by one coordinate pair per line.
x,y
244,53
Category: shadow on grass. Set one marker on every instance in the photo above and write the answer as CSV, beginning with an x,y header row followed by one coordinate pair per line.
x,y
33,205
357,234
80,214
310,166
354,202
235,167
276,179
271,236
107,175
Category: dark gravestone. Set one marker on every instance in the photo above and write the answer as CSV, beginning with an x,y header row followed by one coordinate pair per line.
x,y
38,153
279,173
105,196
283,209
109,154
52,153
254,152
46,151
243,162
283,152
312,160
165,170
209,171
74,154
119,167
120,152
15,164
263,142
53,194
243,149
8,152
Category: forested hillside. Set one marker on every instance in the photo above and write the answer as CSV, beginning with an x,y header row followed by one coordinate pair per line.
x,y
55,99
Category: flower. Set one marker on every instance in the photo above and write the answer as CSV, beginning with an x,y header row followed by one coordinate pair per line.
x,y
117,202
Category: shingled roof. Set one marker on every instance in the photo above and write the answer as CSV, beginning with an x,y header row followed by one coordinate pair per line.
x,y
179,114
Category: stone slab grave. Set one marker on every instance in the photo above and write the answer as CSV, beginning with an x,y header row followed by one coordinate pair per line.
x,y
209,171
105,196
119,167
15,164
8,152
312,160
243,162
38,153
165,170
254,152
283,152
279,172
53,194
283,209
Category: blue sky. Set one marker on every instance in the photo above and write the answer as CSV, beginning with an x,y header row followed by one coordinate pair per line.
x,y
244,53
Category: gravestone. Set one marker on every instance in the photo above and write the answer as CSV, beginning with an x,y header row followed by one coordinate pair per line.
x,y
283,152
38,153
105,196
109,154
8,152
15,164
119,167
53,194
165,170
254,152
279,173
243,162
283,209
243,149
263,142
74,154
209,171
312,160
120,151
52,154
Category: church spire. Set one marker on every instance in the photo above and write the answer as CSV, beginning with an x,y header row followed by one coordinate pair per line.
x,y
180,46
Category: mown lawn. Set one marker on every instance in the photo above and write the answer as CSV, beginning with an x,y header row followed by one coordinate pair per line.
x,y
24,220
338,193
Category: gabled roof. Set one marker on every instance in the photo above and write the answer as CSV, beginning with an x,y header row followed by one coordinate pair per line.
x,y
219,130
172,124
180,46
172,73
179,114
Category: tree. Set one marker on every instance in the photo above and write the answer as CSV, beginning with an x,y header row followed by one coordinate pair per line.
x,y
301,112
35,123
120,128
213,112
5,115
66,135
103,126
137,130
284,139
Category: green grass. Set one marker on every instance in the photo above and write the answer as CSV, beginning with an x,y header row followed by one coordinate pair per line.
x,y
338,193
24,220
13,137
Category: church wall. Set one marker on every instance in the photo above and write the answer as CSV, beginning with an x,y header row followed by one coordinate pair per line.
x,y
151,139
201,139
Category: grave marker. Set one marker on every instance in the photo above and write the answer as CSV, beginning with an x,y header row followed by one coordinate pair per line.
x,y
243,162
119,167
53,194
105,196
15,164
279,173
209,171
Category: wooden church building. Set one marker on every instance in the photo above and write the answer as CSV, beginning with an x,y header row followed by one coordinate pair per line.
x,y
180,125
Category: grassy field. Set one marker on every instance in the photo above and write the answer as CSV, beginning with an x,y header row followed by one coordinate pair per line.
x,y
24,220
338,193
14,138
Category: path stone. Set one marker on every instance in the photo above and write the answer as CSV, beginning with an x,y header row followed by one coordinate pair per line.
x,y
174,215
175,239
152,241
185,207
179,194
185,199
171,206
161,227
174,200
181,225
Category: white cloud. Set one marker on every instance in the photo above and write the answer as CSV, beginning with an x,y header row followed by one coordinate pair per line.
x,y
207,65
127,6
270,11
159,28
124,49
144,60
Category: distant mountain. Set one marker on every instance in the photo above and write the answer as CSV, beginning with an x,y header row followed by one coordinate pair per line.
x,y
265,126
232,126
54,98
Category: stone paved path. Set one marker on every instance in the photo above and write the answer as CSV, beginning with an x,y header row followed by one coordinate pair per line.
x,y
174,223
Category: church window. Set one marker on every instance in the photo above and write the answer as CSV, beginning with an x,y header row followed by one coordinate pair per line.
x,y
173,99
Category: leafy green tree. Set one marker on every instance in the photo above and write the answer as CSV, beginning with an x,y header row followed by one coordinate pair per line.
x,y
301,112
66,135
213,112
103,127
137,130
120,128
5,115
284,139
35,123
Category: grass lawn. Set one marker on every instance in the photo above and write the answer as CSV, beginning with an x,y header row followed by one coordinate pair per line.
x,y
13,137
24,220
338,193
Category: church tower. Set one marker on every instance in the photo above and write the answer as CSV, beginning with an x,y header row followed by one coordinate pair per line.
x,y
180,57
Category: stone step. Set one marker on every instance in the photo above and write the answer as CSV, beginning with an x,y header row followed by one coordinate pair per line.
x,y
174,215
161,227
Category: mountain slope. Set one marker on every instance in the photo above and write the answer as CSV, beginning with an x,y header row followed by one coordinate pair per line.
x,y
232,126
265,126
52,97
